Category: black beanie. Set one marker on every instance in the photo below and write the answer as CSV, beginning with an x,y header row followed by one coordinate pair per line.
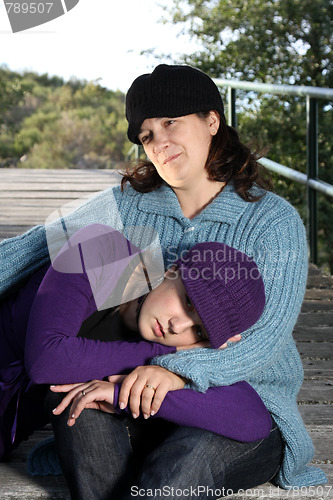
x,y
170,91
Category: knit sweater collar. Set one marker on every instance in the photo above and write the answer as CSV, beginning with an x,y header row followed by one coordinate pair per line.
x,y
227,207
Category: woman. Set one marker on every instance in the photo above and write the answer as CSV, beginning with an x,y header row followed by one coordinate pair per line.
x,y
203,184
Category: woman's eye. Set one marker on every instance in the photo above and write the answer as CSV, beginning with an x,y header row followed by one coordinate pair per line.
x,y
169,122
144,139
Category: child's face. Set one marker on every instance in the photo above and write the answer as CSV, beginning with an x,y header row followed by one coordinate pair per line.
x,y
168,317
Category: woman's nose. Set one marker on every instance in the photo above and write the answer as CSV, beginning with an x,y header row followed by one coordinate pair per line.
x,y
160,143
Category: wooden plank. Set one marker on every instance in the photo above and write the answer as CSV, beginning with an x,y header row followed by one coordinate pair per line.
x,y
320,282
321,436
19,203
316,275
33,221
319,293
316,350
313,334
318,368
29,207
6,232
17,485
314,270
320,318
10,205
316,392
42,175
51,194
17,173
28,217
317,305
320,414
58,187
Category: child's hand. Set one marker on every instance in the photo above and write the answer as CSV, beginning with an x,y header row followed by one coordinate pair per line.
x,y
148,386
96,394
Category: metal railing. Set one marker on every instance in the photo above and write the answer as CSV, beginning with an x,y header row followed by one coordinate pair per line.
x,y
311,178
135,150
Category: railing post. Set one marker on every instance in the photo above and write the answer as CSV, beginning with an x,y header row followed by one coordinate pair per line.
x,y
312,173
137,150
232,116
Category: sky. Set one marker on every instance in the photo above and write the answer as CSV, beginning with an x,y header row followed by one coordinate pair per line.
x,y
97,39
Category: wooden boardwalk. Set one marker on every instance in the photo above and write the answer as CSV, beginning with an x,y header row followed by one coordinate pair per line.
x,y
27,197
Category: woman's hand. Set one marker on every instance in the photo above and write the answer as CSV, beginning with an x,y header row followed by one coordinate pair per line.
x,y
96,394
147,386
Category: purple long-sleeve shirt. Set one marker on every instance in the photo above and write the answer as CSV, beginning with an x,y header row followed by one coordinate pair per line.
x,y
40,343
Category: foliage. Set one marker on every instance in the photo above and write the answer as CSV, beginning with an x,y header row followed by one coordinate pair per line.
x,y
12,90
48,123
271,41
280,41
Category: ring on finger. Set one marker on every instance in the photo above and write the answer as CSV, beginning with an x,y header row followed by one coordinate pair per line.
x,y
83,393
150,387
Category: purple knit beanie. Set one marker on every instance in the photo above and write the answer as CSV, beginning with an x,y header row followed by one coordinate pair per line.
x,y
170,91
225,287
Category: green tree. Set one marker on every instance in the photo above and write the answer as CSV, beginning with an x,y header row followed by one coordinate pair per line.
x,y
11,92
280,41
50,123
271,41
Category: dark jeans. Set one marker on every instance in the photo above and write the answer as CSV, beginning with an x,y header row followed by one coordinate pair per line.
x,y
106,457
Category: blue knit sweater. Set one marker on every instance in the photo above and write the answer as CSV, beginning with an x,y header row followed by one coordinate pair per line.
x,y
271,232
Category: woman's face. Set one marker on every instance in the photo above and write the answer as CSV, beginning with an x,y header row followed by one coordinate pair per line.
x,y
168,317
178,147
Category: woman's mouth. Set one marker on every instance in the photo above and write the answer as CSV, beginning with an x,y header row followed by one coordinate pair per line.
x,y
171,158
158,329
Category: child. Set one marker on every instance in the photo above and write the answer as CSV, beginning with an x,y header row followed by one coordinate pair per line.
x,y
213,292
40,342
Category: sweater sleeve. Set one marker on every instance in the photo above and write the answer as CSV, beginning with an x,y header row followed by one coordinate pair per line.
x,y
53,352
235,411
22,255
281,255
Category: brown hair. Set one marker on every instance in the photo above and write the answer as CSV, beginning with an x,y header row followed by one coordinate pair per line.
x,y
228,160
